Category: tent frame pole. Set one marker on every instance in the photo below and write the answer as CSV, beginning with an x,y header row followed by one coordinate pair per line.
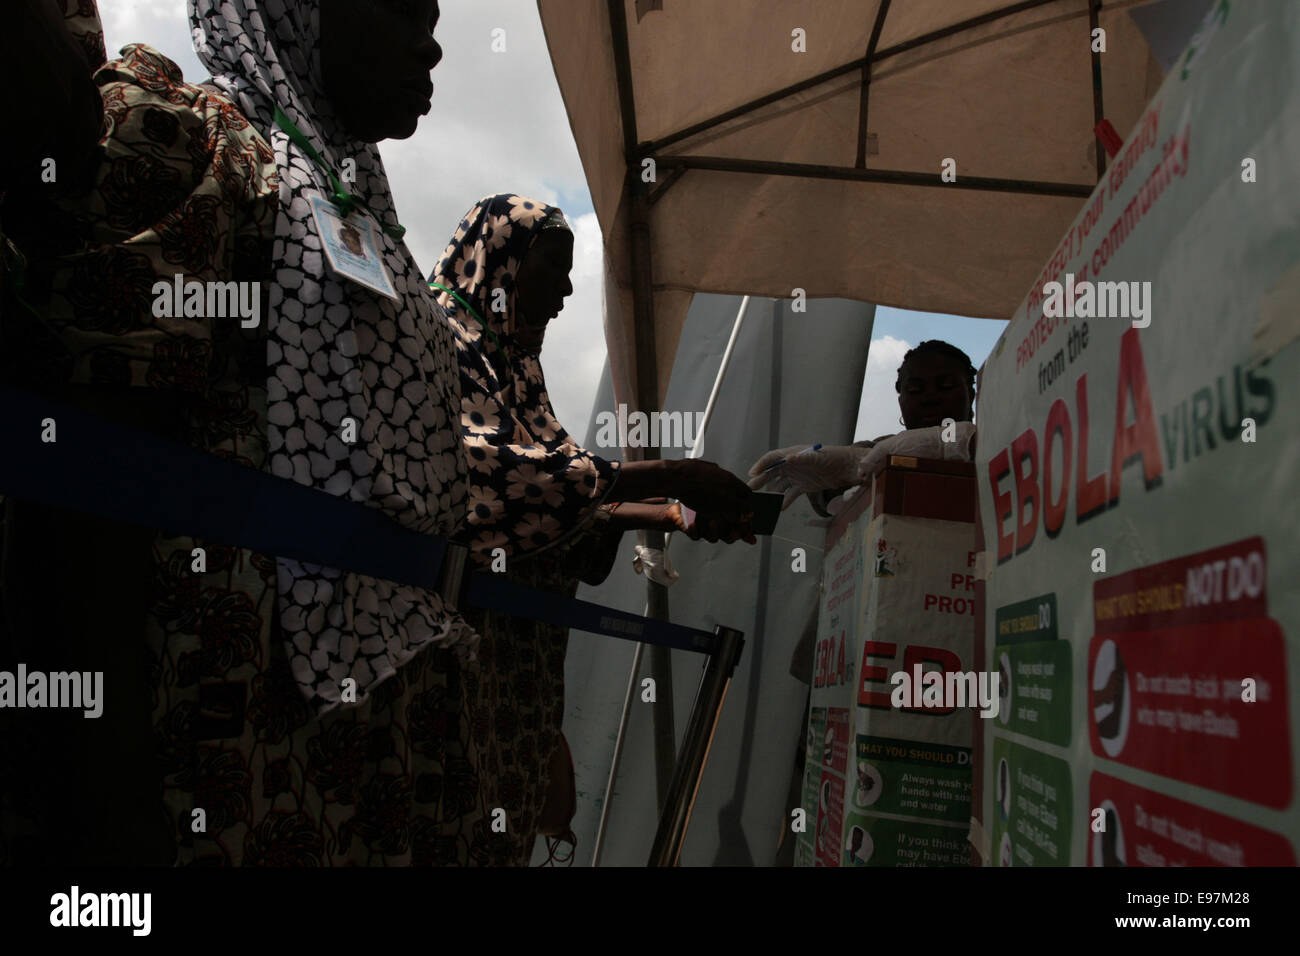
x,y
647,375
896,177
661,660
866,83
1098,112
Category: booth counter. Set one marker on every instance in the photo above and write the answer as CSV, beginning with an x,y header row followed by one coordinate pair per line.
x,y
888,785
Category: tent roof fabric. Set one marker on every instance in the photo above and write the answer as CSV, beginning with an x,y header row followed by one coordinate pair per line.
x,y
1004,95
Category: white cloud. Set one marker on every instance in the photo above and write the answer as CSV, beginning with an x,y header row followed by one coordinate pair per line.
x,y
162,24
123,17
497,125
878,412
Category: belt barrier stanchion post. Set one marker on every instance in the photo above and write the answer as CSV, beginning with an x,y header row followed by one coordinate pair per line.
x,y
696,743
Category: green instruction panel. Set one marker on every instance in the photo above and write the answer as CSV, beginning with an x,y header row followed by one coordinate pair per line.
x,y
930,781
1034,690
877,841
1032,813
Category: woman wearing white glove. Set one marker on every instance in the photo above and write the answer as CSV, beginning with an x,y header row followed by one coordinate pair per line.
x,y
936,381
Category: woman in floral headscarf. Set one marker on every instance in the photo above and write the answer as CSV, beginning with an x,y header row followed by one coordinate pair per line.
x,y
536,497
531,483
501,279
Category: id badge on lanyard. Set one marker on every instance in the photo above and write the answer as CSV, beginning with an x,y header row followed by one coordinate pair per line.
x,y
347,229
352,246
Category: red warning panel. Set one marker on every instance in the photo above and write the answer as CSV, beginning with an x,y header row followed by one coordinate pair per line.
x,y
1145,828
1187,674
835,745
1222,584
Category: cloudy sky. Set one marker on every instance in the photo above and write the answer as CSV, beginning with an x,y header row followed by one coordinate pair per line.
x,y
498,125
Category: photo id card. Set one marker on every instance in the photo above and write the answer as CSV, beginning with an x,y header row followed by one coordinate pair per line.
x,y
352,246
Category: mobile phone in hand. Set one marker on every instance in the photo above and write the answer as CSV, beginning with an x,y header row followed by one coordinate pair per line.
x,y
767,509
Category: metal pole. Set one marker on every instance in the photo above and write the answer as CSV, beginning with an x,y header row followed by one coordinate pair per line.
x,y
698,448
618,753
1098,108
667,847
661,658
661,670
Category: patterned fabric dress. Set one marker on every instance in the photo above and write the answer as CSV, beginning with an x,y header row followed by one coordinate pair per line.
x,y
535,495
341,357
236,658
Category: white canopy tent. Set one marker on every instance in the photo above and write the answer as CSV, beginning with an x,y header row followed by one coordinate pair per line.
x,y
924,154
800,145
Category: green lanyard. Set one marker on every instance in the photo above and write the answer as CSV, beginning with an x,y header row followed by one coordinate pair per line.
x,y
341,198
470,309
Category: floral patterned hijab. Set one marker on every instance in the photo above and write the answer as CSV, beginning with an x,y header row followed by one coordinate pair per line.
x,y
484,256
532,485
338,351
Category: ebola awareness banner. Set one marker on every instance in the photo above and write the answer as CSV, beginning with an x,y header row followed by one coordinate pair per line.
x,y
1138,456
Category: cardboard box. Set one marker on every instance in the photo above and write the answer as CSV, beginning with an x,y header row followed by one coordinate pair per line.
x,y
888,784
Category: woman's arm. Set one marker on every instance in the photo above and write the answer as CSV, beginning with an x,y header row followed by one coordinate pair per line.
x,y
700,485
668,518
638,516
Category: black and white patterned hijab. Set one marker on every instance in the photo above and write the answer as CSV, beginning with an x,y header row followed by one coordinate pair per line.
x,y
337,350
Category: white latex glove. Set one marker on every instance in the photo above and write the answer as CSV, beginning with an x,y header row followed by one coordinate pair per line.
x,y
835,506
840,502
919,443
797,470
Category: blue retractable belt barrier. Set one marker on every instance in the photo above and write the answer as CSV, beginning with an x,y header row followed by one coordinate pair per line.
x,y
499,594
110,470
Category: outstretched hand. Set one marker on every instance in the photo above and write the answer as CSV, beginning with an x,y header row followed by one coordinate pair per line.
x,y
712,528
708,488
800,469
